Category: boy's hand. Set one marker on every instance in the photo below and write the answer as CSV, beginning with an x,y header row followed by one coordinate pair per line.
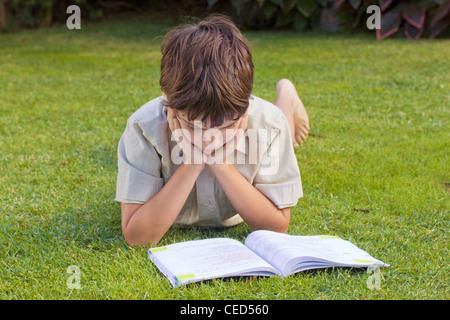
x,y
192,155
221,155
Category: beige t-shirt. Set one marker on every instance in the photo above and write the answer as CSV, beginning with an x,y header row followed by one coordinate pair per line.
x,y
264,156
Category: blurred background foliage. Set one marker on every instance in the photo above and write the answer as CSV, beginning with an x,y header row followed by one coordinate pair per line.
x,y
399,18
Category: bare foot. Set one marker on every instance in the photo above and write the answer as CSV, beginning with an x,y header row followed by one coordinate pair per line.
x,y
287,92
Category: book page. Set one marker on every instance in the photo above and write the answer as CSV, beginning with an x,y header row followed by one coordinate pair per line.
x,y
205,259
296,253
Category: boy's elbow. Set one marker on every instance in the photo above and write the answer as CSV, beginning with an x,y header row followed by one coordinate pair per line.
x,y
285,220
134,241
129,239
283,227
280,226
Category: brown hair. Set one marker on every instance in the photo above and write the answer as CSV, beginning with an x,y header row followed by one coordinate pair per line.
x,y
207,70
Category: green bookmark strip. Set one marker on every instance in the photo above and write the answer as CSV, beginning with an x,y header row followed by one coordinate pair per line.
x,y
329,237
185,276
157,249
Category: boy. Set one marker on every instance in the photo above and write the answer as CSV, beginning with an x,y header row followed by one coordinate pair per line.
x,y
209,153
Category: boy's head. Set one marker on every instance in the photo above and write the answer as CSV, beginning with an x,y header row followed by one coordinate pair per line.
x,y
207,71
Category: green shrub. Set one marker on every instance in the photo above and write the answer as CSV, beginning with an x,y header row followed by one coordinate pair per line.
x,y
410,18
414,18
42,13
31,13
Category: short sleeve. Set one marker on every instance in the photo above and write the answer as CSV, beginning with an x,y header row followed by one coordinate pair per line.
x,y
139,167
278,176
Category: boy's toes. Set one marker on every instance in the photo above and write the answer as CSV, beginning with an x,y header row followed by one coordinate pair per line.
x,y
301,131
300,137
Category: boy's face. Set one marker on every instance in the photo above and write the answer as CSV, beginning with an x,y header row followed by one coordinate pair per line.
x,y
204,137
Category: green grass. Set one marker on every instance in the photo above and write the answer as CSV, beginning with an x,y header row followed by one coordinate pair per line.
x,y
375,169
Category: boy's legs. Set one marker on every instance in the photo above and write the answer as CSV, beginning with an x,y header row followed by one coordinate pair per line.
x,y
291,105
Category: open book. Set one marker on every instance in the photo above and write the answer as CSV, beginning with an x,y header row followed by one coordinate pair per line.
x,y
265,253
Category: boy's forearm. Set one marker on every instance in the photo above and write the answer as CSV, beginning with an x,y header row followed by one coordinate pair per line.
x,y
254,207
152,220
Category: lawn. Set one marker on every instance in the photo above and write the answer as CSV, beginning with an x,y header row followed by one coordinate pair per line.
x,y
375,168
